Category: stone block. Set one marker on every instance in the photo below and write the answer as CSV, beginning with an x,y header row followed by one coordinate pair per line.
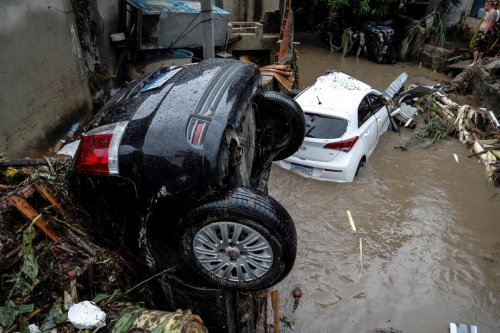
x,y
486,93
439,64
426,59
437,51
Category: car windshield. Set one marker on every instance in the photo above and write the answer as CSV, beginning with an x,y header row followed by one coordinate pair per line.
x,y
323,127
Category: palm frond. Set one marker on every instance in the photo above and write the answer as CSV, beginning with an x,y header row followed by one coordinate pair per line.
x,y
441,33
405,47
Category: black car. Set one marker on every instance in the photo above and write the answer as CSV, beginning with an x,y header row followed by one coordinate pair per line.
x,y
374,39
175,172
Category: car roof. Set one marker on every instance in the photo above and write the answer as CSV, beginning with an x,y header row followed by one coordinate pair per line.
x,y
334,90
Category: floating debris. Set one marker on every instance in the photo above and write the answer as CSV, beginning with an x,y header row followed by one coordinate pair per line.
x,y
351,221
439,117
297,294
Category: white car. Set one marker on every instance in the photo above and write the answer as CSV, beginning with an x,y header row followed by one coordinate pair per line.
x,y
344,120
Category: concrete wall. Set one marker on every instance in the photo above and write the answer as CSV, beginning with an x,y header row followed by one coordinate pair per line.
x,y
109,13
43,86
247,10
458,14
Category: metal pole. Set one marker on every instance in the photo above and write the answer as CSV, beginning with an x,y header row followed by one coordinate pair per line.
x,y
208,29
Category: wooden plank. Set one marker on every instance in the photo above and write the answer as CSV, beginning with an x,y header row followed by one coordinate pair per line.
x,y
42,190
30,213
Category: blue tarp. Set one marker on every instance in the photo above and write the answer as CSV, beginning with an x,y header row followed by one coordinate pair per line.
x,y
170,6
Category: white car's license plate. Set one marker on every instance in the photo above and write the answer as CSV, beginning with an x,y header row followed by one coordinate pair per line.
x,y
302,169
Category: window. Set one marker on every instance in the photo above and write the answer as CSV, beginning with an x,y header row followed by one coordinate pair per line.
x,y
376,101
322,127
364,112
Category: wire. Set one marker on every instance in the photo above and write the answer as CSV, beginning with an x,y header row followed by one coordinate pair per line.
x,y
102,22
62,11
179,38
183,34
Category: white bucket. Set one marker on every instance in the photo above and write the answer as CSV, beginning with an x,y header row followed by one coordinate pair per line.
x,y
117,37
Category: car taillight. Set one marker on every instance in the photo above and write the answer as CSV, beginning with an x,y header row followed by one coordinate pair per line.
x,y
196,131
344,145
197,134
98,150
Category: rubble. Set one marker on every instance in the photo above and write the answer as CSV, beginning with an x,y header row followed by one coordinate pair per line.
x,y
438,117
51,263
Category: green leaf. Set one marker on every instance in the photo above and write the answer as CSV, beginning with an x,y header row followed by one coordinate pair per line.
x,y
7,316
116,293
28,308
61,318
49,321
100,297
23,325
126,318
78,270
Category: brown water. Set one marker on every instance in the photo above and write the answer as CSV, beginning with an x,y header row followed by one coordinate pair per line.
x,y
429,229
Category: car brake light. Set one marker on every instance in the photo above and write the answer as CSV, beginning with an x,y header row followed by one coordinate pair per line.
x,y
196,131
197,134
98,150
344,145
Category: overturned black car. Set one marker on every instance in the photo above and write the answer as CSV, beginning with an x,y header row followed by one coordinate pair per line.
x,y
177,169
374,39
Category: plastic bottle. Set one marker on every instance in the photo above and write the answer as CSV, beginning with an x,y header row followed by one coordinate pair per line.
x,y
72,131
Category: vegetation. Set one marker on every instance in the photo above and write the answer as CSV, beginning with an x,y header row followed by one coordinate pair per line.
x,y
428,27
314,12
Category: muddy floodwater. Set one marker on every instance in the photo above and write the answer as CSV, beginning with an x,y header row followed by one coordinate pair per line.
x,y
427,248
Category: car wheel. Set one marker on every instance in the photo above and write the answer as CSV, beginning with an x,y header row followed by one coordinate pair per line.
x,y
360,165
283,122
379,56
239,239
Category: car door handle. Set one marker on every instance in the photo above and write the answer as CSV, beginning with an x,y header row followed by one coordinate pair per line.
x,y
366,134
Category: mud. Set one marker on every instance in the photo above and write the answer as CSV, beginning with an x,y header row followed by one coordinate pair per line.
x,y
427,250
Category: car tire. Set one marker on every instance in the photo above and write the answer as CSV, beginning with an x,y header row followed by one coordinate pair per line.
x,y
284,117
360,165
261,256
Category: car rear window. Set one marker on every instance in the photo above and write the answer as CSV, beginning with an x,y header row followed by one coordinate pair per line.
x,y
322,127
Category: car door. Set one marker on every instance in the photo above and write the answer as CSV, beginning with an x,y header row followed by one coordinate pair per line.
x,y
380,112
367,125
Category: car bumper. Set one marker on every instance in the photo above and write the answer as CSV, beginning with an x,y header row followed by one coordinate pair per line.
x,y
342,169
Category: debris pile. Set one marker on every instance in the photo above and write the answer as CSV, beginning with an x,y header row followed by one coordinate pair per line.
x,y
283,74
53,276
438,117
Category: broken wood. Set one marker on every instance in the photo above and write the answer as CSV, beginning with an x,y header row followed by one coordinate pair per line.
x,y
31,214
282,80
44,192
275,306
246,60
78,241
484,151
